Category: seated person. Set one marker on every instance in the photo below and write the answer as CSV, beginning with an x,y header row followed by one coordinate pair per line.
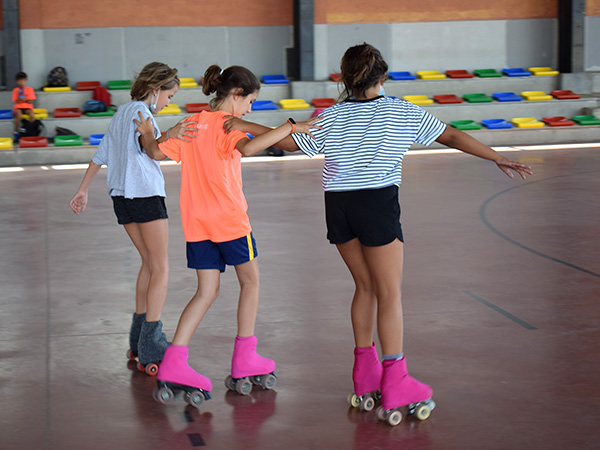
x,y
22,97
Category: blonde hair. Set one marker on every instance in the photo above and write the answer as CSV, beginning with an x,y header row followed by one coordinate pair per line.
x,y
155,75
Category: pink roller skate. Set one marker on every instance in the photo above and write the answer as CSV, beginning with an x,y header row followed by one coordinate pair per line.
x,y
400,389
366,375
248,368
175,375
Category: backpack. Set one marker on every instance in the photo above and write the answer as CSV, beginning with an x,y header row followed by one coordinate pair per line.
x,y
27,128
60,131
58,77
101,94
94,106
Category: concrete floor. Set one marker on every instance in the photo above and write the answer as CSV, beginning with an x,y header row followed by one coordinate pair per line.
x,y
501,289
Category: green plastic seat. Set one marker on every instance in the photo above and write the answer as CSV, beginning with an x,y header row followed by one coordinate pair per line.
x,y
68,140
487,73
110,111
478,98
465,125
586,120
119,84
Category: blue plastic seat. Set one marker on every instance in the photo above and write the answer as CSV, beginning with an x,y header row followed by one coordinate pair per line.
x,y
507,97
496,124
401,76
6,114
263,105
516,72
275,79
95,139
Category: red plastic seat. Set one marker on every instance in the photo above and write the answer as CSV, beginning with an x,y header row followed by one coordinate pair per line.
x,y
558,121
33,141
87,85
197,107
447,98
323,102
459,74
565,95
67,112
334,76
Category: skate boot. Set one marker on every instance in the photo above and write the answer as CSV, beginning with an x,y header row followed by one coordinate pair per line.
x,y
366,375
134,335
175,375
151,347
398,389
248,368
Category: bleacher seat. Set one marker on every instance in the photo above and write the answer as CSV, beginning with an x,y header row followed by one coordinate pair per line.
x,y
194,108
527,122
478,98
95,139
536,96
56,89
506,97
170,109
430,75
87,85
323,102
447,99
293,103
110,111
401,76
459,74
586,120
564,95
114,85
496,124
67,112
38,113
465,125
263,105
33,141
516,72
274,79
187,83
6,114
418,99
68,140
6,143
334,77
543,71
558,121
487,73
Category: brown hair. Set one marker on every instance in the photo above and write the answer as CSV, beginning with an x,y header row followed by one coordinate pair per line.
x,y
362,68
155,75
223,81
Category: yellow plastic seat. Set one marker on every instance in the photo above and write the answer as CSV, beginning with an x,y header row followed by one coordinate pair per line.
x,y
38,113
57,89
294,103
536,96
187,83
430,75
6,143
527,122
543,71
418,99
171,109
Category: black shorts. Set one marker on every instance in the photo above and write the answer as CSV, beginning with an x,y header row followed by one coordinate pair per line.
x,y
371,215
139,210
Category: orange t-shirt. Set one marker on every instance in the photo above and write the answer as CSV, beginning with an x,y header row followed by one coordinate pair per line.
x,y
213,206
28,93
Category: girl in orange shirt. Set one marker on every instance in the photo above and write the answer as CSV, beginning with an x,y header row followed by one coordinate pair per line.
x,y
217,230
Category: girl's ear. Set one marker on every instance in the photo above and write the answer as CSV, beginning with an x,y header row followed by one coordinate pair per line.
x,y
236,92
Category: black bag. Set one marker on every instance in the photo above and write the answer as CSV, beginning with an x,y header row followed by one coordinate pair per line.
x,y
58,77
28,128
60,131
94,106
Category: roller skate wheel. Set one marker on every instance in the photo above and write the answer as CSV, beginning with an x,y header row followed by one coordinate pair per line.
x,y
140,367
394,418
194,398
229,384
367,403
353,400
268,381
381,413
131,356
422,412
243,386
151,369
163,395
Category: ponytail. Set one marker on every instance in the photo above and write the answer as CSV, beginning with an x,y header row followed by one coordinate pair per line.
x,y
224,81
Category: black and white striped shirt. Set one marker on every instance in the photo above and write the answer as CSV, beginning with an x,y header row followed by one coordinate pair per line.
x,y
365,141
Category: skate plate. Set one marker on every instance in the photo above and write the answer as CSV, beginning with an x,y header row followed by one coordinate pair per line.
x,y
166,391
365,402
420,410
243,385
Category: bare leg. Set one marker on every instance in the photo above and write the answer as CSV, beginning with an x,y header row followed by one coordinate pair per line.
x,y
364,302
385,265
143,279
208,290
156,239
249,279
17,113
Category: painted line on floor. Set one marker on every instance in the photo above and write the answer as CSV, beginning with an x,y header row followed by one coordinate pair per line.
x,y
196,440
501,311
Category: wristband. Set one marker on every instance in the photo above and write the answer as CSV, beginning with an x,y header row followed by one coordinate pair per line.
x,y
292,122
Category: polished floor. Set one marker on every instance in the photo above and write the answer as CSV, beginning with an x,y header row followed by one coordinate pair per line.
x,y
501,299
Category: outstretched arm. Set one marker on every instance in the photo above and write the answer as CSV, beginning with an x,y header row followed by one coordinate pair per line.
x,y
79,200
235,123
460,140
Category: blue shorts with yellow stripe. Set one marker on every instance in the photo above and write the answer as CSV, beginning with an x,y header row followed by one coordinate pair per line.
x,y
205,255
